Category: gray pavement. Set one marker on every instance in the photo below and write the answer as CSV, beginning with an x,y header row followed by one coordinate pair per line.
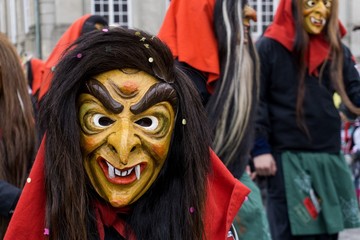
x,y
350,234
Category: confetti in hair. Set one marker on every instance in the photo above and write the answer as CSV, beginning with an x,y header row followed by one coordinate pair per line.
x,y
46,232
191,210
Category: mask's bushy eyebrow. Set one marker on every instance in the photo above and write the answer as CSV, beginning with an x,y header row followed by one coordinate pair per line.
x,y
98,90
160,92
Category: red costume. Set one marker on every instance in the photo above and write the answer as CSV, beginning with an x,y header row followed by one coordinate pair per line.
x,y
185,42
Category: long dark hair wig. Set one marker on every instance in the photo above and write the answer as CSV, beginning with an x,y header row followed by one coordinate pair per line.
x,y
17,126
231,109
332,35
162,212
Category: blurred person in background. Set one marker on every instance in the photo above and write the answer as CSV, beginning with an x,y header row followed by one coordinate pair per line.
x,y
211,40
17,130
310,193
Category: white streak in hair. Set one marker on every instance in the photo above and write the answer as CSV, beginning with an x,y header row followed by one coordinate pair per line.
x,y
221,125
241,91
21,102
228,43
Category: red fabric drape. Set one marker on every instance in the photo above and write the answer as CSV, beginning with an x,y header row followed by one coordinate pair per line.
x,y
188,30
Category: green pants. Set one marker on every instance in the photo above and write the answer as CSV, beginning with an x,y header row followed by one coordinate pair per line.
x,y
320,193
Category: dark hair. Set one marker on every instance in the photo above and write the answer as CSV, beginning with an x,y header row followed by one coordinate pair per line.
x,y
90,23
163,211
17,126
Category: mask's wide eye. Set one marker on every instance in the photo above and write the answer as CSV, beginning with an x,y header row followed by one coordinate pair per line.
x,y
148,122
310,3
100,120
327,3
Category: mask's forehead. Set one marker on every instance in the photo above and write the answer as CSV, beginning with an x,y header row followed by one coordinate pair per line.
x,y
128,84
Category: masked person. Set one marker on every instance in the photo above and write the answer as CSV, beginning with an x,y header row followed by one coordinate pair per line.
x,y
17,131
211,40
126,151
303,62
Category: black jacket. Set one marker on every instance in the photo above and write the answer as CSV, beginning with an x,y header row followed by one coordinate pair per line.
x,y
9,195
276,121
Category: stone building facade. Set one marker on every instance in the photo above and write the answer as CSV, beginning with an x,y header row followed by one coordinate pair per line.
x,y
35,26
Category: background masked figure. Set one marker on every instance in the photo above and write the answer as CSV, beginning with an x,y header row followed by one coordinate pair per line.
x,y
211,41
126,152
303,62
17,131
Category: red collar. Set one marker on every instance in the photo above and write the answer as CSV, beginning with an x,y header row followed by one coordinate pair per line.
x,y
107,215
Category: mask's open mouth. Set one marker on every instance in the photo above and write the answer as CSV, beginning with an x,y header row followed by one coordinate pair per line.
x,y
120,176
318,22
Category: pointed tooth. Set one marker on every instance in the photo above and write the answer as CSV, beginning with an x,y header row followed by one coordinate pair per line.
x,y
110,170
137,171
129,171
117,172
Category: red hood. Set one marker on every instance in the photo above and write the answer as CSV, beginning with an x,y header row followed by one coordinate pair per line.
x,y
188,30
283,30
225,195
71,34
